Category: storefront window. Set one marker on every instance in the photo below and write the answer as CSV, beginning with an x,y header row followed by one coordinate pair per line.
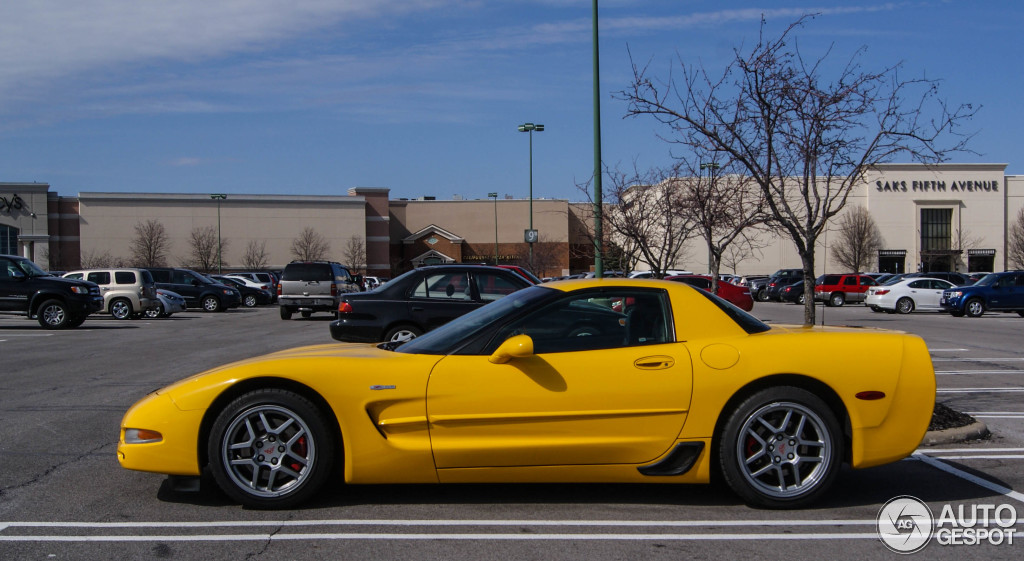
x,y
8,240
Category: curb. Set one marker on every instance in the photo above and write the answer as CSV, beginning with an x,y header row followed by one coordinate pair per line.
x,y
973,431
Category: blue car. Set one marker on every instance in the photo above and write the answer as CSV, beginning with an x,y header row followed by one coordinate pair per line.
x,y
996,292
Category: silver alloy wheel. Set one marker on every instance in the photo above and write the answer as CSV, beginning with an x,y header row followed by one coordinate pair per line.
x,y
268,451
211,304
121,309
904,305
837,299
53,314
974,308
155,311
402,335
784,449
250,301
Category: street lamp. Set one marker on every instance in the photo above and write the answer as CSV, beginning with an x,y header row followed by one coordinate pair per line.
x,y
712,166
531,234
218,197
495,195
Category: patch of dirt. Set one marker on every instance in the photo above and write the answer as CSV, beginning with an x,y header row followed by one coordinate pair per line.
x,y
945,418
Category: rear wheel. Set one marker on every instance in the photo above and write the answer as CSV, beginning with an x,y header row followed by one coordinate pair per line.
x,y
762,295
974,308
904,305
781,448
286,313
121,309
271,448
402,333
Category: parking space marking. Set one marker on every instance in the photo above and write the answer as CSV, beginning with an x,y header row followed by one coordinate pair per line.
x,y
999,359
956,372
994,487
947,350
979,390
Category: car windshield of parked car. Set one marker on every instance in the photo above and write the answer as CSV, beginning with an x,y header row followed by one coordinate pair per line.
x,y
445,338
987,280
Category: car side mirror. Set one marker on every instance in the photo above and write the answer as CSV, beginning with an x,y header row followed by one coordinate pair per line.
x,y
517,346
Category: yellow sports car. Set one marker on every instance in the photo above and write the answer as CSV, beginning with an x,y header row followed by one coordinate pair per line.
x,y
575,381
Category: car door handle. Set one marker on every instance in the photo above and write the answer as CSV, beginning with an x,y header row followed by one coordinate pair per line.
x,y
654,362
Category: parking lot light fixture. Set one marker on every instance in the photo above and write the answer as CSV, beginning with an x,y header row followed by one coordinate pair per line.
x,y
530,128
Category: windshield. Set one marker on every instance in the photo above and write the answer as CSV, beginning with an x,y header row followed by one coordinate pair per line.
x,y
31,269
987,280
445,338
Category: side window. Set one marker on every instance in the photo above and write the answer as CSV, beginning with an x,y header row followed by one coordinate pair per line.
x,y
492,287
161,276
6,266
99,277
341,274
920,284
595,320
444,286
850,281
124,277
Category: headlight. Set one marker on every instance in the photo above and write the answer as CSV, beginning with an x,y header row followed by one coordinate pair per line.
x,y
954,294
79,290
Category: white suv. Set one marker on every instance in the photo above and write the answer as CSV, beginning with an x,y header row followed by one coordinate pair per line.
x,y
127,293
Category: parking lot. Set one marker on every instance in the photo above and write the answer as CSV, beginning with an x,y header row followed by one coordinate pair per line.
x,y
63,495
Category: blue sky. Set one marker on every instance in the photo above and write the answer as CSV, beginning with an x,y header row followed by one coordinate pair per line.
x,y
421,96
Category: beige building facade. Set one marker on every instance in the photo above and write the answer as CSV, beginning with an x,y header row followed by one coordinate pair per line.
x,y
943,217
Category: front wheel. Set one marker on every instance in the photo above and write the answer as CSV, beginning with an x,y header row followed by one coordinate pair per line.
x,y
974,308
271,449
837,299
53,314
249,301
155,311
781,448
211,304
121,309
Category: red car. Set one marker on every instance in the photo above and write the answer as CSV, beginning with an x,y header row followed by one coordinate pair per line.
x,y
738,296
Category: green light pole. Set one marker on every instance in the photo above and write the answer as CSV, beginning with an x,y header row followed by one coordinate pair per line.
x,y
712,166
531,235
598,196
495,195
218,197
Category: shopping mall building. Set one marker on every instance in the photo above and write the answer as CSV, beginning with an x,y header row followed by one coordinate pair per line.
x,y
944,217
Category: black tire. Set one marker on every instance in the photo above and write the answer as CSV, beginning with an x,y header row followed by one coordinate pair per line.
x,y
762,295
275,466
1021,314
905,305
121,308
957,314
211,304
778,467
75,321
249,300
286,313
974,308
876,309
802,299
402,333
837,299
155,312
54,314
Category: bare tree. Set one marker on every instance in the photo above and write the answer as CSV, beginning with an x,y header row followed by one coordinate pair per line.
x,y
644,217
92,259
744,248
806,141
149,246
255,256
859,240
204,251
355,254
1015,245
310,245
723,207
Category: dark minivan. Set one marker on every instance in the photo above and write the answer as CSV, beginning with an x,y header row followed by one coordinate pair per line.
x,y
198,290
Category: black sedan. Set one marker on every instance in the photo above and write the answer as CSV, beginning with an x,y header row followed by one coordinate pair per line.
x,y
419,301
251,296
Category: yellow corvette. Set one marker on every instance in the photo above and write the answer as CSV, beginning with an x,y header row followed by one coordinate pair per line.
x,y
576,381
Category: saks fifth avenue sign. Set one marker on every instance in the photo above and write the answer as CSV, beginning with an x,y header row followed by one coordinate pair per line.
x,y
937,186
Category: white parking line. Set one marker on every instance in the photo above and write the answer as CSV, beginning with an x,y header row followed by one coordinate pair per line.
x,y
980,390
958,372
947,350
994,487
1001,359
